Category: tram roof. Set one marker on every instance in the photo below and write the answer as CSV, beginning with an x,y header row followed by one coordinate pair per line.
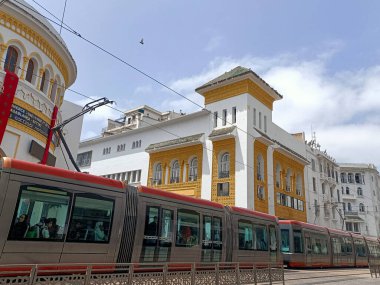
x,y
372,239
183,198
11,163
339,232
303,224
253,213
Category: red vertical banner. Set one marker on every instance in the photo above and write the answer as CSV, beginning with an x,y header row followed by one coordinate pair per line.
x,y
6,100
50,135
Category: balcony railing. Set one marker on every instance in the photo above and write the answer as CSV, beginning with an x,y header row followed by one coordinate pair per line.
x,y
174,180
351,213
224,174
193,178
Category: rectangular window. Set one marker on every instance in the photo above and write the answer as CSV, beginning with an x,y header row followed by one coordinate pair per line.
x,y
298,241
207,232
285,240
224,118
41,214
217,233
233,115
223,189
260,238
254,116
265,123
84,159
245,235
300,205
91,219
314,184
187,228
260,120
313,164
215,119
166,233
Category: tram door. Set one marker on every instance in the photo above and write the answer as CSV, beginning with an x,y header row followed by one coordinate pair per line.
x,y
158,235
273,243
309,250
212,239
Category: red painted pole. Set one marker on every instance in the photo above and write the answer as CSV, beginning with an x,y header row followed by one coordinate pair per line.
x,y
50,135
6,100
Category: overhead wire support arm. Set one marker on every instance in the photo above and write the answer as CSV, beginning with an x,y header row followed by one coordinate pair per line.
x,y
86,109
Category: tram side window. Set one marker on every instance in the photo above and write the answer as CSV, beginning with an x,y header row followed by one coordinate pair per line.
x,y
166,235
91,219
348,245
151,225
217,233
41,213
187,228
207,232
245,235
337,245
212,233
285,240
298,242
261,238
324,249
360,248
273,238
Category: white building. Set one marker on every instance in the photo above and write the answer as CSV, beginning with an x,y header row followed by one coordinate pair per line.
x,y
230,152
361,197
324,200
32,48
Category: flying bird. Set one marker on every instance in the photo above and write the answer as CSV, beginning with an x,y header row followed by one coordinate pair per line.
x,y
142,41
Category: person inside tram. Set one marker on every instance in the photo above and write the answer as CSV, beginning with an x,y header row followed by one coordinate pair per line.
x,y
50,229
152,227
99,232
77,231
20,228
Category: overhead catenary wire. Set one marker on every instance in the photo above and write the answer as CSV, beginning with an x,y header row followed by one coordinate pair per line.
x,y
66,27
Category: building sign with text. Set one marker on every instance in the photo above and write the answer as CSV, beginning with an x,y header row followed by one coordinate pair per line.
x,y
30,120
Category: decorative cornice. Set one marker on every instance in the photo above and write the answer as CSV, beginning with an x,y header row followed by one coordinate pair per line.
x,y
35,38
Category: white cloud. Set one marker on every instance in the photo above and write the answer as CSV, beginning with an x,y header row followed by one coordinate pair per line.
x,y
342,107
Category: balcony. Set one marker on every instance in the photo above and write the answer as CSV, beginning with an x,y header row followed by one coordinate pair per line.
x,y
350,196
351,213
174,180
224,174
156,182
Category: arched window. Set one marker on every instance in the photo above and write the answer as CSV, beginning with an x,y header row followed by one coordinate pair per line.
x,y
299,184
11,59
30,71
348,190
361,207
43,80
260,167
157,174
224,165
193,172
278,175
174,175
289,180
360,191
53,92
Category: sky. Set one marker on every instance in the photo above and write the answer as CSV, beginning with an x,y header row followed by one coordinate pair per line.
x,y
322,56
